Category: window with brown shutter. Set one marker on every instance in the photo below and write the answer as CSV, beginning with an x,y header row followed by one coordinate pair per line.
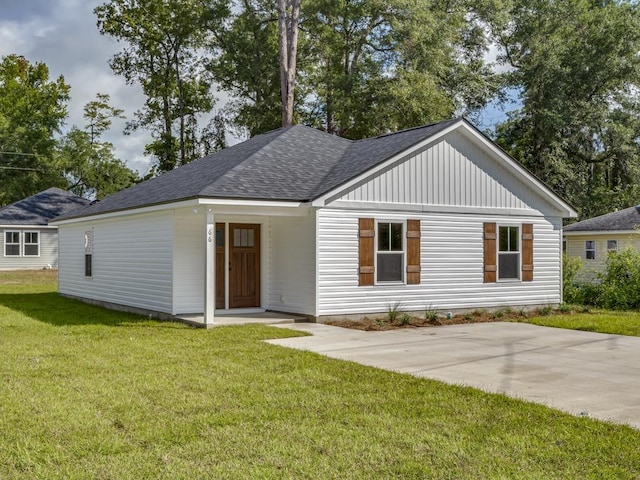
x,y
413,252
490,266
527,252
366,251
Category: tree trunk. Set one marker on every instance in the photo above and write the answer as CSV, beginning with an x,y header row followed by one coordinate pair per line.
x,y
288,15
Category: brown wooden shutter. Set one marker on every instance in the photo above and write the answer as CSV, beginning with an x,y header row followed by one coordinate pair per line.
x,y
527,252
366,249
490,264
413,252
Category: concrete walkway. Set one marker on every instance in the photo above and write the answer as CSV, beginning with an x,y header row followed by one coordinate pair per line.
x,y
582,373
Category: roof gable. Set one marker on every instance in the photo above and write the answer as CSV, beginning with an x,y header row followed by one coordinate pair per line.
x,y
38,209
298,164
622,220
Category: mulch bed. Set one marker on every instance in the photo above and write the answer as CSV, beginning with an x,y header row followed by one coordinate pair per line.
x,y
397,320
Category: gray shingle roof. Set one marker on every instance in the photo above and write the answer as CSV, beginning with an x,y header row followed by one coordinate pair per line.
x,y
295,163
627,219
38,209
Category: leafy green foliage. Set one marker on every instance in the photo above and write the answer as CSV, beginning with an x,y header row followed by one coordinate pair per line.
x,y
576,70
32,111
162,54
570,268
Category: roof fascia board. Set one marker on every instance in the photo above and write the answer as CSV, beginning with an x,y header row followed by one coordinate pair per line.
x,y
130,211
423,208
249,203
591,233
26,226
322,200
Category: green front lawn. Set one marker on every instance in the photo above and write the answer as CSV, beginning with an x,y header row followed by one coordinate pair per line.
x,y
95,394
602,321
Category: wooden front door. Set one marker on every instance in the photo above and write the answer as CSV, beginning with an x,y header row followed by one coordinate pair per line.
x,y
244,265
220,265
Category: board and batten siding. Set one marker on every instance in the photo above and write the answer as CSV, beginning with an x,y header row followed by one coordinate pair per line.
x,y
132,261
293,259
575,247
48,257
453,172
452,267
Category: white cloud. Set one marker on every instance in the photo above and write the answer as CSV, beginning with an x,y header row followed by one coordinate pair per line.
x,y
63,34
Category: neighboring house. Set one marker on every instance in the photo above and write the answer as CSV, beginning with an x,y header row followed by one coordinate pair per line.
x,y
28,242
300,221
591,240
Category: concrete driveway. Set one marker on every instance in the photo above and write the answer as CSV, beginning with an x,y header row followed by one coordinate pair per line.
x,y
582,373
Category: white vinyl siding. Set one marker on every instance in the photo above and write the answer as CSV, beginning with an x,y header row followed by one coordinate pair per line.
x,y
292,279
47,250
132,261
452,172
451,261
189,262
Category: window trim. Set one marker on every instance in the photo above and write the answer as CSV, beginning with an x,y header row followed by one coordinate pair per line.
x,y
519,253
402,251
594,249
612,250
5,244
24,243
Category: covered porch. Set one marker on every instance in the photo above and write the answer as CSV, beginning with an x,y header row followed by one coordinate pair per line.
x,y
236,260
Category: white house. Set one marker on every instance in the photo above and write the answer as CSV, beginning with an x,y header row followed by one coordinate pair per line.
x,y
28,242
296,220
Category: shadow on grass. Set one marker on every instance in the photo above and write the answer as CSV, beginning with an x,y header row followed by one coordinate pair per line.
x,y
53,309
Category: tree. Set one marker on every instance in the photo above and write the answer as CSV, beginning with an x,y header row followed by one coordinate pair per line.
x,y
576,65
288,17
164,55
245,64
32,111
90,166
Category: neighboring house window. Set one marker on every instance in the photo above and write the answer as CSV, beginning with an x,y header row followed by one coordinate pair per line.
x,y
590,249
11,244
612,246
390,252
31,244
508,253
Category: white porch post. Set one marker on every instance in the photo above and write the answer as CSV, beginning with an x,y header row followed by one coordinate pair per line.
x,y
210,268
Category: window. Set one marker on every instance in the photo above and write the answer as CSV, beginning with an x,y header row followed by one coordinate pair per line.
x,y
508,253
590,249
31,244
243,237
612,246
11,244
88,253
390,252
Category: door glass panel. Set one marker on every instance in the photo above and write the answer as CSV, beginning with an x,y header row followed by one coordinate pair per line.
x,y
236,237
250,239
243,237
220,237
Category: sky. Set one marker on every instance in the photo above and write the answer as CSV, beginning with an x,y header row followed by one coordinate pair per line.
x,y
63,34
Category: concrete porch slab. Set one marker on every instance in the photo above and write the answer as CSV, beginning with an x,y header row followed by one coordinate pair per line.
x,y
264,318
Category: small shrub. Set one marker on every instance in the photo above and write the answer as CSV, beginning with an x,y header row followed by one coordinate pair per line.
x,y
468,316
393,311
507,310
620,283
564,308
544,311
431,314
498,314
479,312
522,312
405,319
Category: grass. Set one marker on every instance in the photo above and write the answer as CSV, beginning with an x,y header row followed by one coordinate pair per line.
x,y
601,321
87,393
